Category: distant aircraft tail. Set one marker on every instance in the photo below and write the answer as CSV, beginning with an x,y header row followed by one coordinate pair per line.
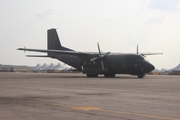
x,y
54,42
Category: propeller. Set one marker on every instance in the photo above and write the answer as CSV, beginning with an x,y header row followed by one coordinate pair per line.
x,y
137,49
101,56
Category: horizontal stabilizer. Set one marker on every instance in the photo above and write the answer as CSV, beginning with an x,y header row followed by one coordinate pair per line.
x,y
37,56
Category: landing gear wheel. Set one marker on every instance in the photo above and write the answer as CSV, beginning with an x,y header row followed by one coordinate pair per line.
x,y
141,76
109,75
92,75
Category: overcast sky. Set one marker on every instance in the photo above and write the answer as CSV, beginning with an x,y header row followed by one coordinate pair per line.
x,y
118,26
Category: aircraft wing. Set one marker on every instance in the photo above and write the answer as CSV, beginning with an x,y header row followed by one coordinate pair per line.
x,y
55,51
144,54
37,56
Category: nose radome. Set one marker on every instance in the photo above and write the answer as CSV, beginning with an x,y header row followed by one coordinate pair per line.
x,y
150,67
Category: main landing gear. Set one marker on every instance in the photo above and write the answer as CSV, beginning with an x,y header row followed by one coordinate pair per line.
x,y
92,75
141,75
105,75
109,75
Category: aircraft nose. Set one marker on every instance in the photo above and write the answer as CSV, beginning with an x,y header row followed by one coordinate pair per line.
x,y
150,67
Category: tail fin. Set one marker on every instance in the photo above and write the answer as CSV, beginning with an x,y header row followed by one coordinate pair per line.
x,y
53,41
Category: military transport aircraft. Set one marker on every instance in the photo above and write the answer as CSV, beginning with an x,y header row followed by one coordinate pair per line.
x,y
93,64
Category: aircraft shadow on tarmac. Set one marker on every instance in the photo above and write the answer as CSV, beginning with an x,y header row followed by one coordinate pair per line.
x,y
84,77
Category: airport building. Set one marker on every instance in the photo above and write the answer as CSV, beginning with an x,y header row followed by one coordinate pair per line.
x,y
13,68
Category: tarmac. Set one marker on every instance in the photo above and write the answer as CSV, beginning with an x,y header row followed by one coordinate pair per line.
x,y
73,96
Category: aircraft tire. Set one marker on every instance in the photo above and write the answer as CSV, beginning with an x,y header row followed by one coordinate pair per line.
x,y
109,75
92,75
140,76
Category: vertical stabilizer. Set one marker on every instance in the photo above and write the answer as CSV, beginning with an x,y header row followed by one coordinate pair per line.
x,y
53,40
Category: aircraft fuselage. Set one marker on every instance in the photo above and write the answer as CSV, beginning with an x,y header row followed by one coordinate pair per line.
x,y
114,64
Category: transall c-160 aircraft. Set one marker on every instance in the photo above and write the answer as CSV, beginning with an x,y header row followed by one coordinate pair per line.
x,y
92,64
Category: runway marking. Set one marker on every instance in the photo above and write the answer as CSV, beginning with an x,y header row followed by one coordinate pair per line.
x,y
92,108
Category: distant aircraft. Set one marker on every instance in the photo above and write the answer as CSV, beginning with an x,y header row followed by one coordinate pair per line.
x,y
92,64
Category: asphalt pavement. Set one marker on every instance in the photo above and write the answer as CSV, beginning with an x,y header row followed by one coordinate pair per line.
x,y
73,96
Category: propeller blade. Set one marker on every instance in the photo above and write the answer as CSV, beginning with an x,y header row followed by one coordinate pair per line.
x,y
93,59
102,65
99,49
137,49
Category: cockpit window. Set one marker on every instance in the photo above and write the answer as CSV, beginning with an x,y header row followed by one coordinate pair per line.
x,y
139,59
